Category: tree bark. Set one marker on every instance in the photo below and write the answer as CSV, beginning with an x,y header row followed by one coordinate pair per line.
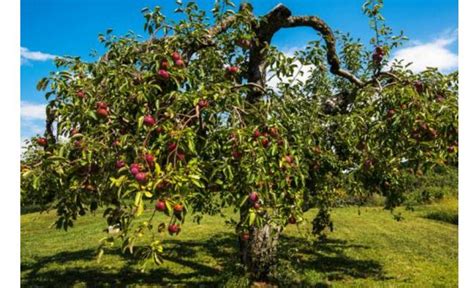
x,y
259,252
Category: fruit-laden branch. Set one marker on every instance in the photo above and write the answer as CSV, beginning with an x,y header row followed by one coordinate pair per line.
x,y
264,28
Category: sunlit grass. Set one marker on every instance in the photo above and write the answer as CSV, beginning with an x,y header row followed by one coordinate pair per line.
x,y
367,249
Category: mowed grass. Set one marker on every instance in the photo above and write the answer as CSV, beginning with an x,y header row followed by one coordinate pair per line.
x,y
367,249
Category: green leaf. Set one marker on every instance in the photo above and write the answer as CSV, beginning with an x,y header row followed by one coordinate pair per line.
x,y
92,114
244,200
148,194
252,216
140,122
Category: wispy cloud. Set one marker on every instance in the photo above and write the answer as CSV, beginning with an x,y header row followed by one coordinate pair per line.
x,y
431,54
27,55
32,111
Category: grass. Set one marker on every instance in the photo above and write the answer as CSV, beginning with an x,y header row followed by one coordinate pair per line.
x,y
367,249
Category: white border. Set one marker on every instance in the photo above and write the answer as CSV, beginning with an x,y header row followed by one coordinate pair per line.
x,y
10,143
466,144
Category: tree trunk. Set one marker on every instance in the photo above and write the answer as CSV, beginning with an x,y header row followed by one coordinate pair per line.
x,y
259,252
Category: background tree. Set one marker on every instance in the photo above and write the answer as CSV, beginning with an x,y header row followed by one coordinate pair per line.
x,y
185,122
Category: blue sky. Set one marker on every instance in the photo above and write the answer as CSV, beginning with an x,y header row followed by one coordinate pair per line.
x,y
70,27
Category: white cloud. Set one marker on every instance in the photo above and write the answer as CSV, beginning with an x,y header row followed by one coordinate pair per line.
x,y
32,121
32,111
30,128
431,54
27,55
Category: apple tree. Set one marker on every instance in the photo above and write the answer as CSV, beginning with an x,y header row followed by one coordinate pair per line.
x,y
186,123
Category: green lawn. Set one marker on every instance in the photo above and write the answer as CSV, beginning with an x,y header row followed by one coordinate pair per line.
x,y
369,249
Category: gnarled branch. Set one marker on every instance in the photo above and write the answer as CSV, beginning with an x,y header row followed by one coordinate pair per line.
x,y
328,36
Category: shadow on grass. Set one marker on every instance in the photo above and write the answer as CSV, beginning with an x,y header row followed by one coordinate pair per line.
x,y
327,258
185,254
450,217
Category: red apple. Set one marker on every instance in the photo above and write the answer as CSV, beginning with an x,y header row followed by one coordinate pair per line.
x,y
178,208
236,154
256,134
256,205
148,120
179,63
292,220
265,142
150,159
172,147
134,168
451,149
289,159
163,74
245,236
253,196
173,229
80,94
159,130
102,112
274,132
232,69
160,205
176,56
164,65
377,58
181,156
203,103
42,141
119,164
141,177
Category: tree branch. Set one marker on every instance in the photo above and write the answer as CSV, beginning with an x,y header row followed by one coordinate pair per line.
x,y
49,124
328,36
